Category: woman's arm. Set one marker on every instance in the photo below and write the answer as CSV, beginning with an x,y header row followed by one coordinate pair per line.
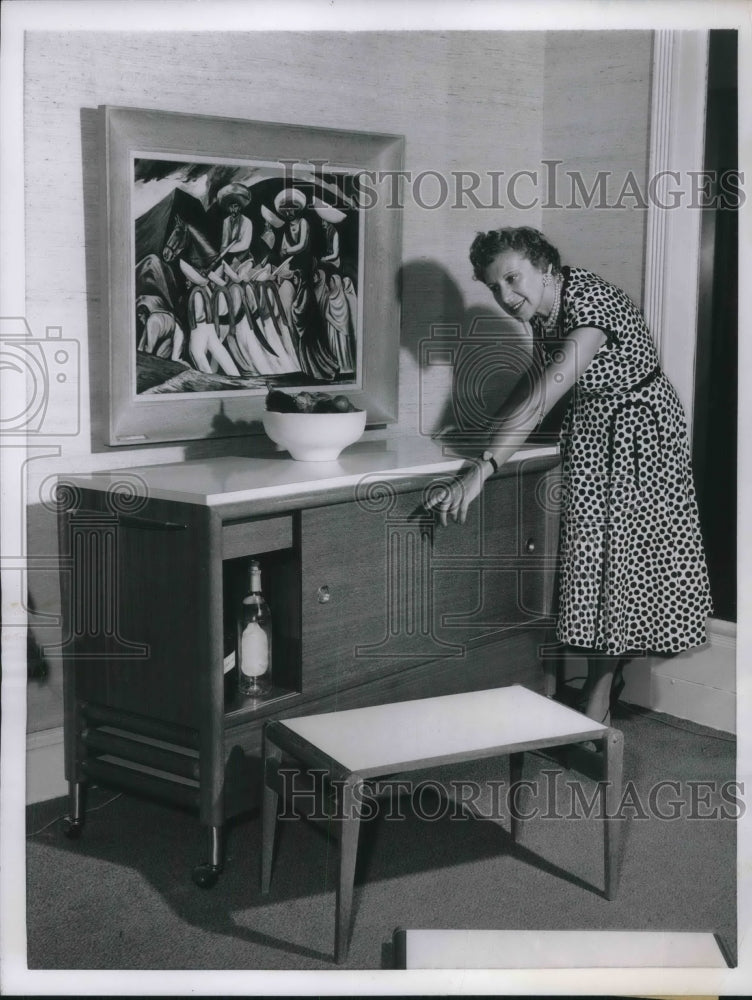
x,y
533,397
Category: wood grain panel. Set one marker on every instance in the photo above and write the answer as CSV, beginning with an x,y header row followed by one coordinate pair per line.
x,y
404,590
248,538
381,612
343,551
142,609
508,582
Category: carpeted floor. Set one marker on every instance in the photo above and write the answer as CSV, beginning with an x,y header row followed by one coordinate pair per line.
x,y
121,897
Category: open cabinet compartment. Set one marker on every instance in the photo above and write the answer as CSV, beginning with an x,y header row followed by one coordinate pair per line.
x,y
280,582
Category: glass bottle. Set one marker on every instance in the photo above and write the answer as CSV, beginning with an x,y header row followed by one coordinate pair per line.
x,y
254,638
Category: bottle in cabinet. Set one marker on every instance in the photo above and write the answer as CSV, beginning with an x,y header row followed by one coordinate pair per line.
x,y
253,648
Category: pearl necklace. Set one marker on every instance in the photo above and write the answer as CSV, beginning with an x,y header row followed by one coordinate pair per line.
x,y
553,317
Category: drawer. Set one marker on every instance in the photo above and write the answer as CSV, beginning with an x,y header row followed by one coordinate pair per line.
x,y
247,538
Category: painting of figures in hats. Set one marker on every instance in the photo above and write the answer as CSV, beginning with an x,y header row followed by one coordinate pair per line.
x,y
246,276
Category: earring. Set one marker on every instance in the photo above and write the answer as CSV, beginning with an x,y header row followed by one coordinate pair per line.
x,y
546,279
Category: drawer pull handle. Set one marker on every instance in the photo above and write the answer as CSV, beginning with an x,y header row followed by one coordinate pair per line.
x,y
530,545
323,594
147,524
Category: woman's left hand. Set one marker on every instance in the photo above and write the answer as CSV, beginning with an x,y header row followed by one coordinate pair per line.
x,y
451,499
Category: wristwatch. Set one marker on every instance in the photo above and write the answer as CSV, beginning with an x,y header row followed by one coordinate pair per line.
x,y
487,456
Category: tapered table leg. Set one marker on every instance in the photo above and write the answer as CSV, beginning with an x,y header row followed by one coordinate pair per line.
x,y
272,759
613,763
348,852
515,791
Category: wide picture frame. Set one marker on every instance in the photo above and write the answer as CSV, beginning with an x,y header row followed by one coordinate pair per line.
x,y
241,256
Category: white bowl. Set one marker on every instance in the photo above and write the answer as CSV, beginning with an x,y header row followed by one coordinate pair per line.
x,y
314,437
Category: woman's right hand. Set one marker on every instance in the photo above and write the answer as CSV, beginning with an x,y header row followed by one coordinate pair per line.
x,y
451,499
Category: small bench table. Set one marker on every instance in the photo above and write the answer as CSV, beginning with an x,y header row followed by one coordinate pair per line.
x,y
355,746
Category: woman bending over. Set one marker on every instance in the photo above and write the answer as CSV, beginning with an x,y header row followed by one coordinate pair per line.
x,y
632,573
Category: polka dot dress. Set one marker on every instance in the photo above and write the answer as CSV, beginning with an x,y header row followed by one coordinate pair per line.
x,y
632,567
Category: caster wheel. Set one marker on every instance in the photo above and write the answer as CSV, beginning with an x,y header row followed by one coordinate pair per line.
x,y
72,828
205,876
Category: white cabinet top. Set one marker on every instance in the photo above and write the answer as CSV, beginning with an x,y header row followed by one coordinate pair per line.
x,y
236,479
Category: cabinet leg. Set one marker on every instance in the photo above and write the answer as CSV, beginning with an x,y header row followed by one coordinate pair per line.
x,y
205,875
73,823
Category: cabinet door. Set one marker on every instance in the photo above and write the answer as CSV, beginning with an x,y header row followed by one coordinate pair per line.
x,y
143,616
343,590
505,579
368,605
385,587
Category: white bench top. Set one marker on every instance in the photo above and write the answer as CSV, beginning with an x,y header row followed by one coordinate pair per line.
x,y
471,724
576,949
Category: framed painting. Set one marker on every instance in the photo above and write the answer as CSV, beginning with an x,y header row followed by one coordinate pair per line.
x,y
241,256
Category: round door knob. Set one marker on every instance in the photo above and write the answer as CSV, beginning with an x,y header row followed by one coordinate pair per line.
x,y
530,545
323,594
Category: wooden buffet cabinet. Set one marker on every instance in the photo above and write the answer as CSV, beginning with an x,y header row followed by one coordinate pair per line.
x,y
372,601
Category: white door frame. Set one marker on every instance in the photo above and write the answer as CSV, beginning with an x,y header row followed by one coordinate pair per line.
x,y
677,147
699,685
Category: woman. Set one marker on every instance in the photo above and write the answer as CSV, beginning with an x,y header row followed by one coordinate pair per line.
x,y
633,578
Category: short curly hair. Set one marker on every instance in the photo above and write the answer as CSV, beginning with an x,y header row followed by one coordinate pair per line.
x,y
531,243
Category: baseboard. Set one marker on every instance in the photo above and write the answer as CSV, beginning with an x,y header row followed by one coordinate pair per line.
x,y
45,768
699,685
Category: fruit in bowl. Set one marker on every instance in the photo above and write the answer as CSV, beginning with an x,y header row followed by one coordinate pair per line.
x,y
312,426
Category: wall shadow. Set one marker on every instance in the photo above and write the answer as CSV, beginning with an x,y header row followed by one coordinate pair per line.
x,y
467,359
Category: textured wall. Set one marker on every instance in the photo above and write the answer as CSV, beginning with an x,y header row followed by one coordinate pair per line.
x,y
596,117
